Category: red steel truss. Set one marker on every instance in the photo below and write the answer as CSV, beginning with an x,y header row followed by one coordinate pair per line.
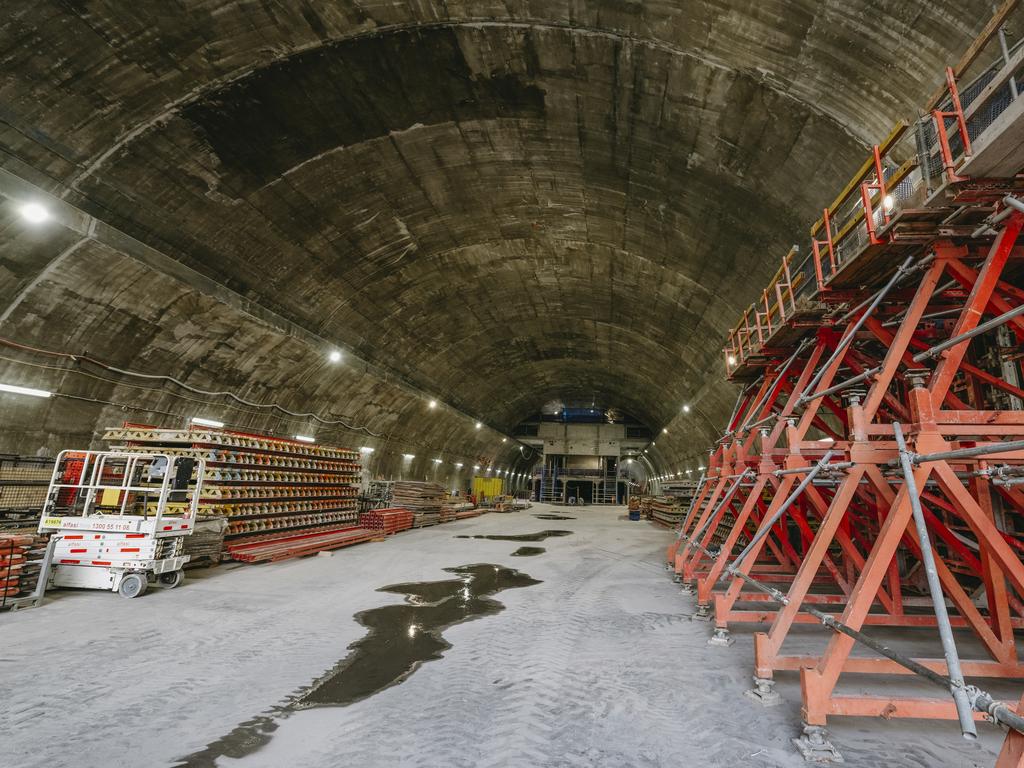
x,y
901,324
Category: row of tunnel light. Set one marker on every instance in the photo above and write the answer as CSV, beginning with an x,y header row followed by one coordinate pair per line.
x,y
37,213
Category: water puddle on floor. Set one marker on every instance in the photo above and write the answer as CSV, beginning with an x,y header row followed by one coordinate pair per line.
x,y
401,637
518,537
554,517
529,551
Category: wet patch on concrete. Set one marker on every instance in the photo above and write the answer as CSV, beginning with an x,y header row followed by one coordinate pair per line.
x,y
401,637
404,636
554,517
518,537
529,551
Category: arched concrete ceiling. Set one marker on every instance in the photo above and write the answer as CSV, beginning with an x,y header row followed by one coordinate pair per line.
x,y
499,203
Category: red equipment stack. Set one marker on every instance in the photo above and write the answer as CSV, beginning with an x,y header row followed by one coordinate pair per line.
x,y
871,473
387,521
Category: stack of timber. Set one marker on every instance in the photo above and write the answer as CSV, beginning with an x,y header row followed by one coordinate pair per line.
x,y
667,511
206,544
263,549
423,499
451,508
24,481
470,511
387,521
268,488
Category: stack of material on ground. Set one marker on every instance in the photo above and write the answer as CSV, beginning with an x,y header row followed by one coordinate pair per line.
x,y
646,508
451,508
387,521
206,544
423,499
269,489
24,481
17,573
667,511
471,511
521,503
274,547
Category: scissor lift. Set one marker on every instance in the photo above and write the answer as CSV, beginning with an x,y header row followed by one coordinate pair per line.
x,y
119,520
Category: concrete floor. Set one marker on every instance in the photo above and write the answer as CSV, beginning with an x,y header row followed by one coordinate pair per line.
x,y
597,666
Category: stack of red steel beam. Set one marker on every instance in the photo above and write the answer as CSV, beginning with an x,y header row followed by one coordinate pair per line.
x,y
13,556
464,514
388,521
276,547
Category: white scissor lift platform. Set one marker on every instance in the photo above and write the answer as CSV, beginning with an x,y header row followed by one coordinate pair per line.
x,y
119,520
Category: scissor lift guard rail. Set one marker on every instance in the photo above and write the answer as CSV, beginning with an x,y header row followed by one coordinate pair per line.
x,y
872,472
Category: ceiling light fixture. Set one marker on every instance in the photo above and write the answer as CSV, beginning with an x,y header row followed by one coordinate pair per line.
x,y
432,404
888,202
408,456
305,438
366,449
731,359
664,430
458,465
476,466
208,422
335,356
14,390
34,213
686,409
437,461
478,425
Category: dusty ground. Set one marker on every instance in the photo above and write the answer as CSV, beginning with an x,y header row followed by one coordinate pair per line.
x,y
597,666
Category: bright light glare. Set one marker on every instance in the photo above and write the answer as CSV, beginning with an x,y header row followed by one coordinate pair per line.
x,y
731,359
432,404
686,409
208,422
409,456
664,430
366,449
458,465
24,390
478,425
504,439
436,461
888,202
34,213
476,466
305,438
335,356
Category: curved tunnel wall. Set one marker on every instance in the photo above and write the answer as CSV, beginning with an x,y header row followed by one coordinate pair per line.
x,y
502,207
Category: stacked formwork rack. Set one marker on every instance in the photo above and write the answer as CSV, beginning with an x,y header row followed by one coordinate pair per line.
x,y
280,497
872,473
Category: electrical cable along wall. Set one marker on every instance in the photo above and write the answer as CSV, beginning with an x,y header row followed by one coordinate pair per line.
x,y
872,475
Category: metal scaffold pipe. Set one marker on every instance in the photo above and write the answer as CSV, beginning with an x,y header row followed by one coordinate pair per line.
x,y
967,453
849,336
761,401
995,322
963,704
725,500
868,374
766,527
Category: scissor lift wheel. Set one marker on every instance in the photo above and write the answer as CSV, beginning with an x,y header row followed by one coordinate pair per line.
x,y
132,585
172,579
